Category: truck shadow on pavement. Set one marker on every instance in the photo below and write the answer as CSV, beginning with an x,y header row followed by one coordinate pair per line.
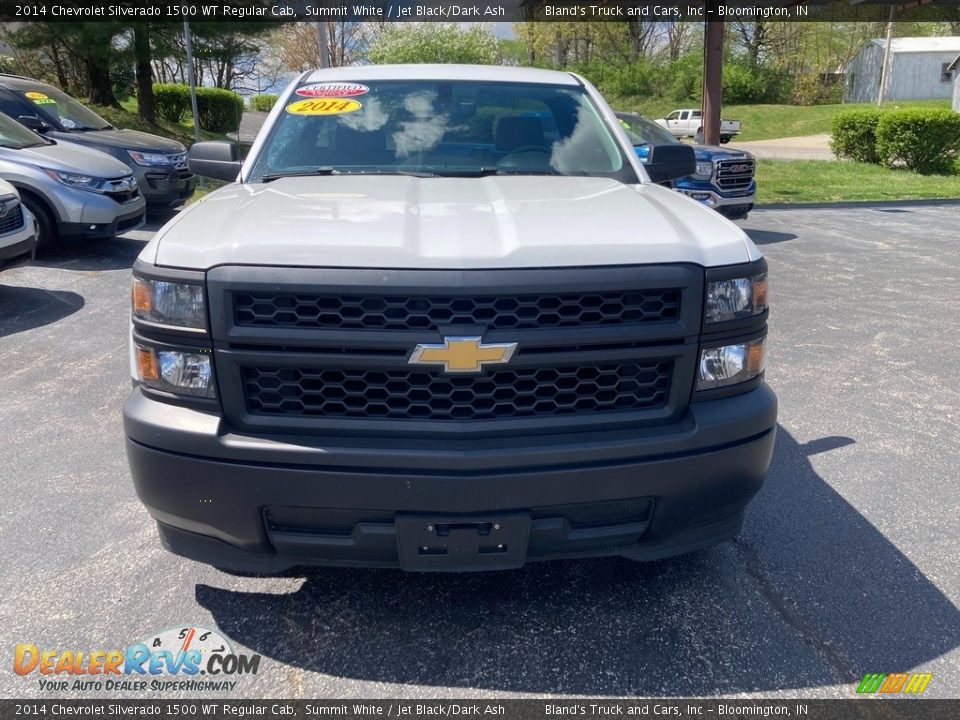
x,y
810,594
25,308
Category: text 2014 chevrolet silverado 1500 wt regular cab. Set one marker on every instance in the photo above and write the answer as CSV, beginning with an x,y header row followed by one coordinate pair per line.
x,y
446,320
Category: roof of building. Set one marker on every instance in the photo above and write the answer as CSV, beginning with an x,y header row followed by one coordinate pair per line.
x,y
921,44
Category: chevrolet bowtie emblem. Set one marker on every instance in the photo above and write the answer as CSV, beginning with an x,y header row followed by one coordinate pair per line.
x,y
462,354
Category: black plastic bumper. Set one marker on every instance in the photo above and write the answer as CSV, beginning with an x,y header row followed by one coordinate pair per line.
x,y
102,231
264,504
166,189
24,250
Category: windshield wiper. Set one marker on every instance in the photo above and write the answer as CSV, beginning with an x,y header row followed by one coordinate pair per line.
x,y
326,170
333,171
488,171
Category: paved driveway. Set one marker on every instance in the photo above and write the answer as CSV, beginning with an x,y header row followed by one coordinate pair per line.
x,y
848,562
806,147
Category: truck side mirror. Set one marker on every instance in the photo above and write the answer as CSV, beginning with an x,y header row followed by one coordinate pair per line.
x,y
32,122
215,159
669,162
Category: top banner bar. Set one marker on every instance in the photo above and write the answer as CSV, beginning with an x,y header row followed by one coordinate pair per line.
x,y
469,10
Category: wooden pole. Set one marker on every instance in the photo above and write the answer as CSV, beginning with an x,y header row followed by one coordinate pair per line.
x,y
712,79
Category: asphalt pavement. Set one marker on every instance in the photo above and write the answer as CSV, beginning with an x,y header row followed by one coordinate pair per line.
x,y
848,562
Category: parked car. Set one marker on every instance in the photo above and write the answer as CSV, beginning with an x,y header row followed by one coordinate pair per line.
x,y
74,192
689,123
421,328
724,179
159,164
18,230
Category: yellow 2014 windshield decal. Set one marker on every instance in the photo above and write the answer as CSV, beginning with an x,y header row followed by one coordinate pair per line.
x,y
324,107
35,95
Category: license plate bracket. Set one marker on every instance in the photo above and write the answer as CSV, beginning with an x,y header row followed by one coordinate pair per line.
x,y
459,543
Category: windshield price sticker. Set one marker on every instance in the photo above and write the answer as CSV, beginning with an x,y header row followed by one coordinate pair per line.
x,y
323,107
332,90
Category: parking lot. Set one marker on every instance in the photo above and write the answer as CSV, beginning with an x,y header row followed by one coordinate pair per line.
x,y
848,562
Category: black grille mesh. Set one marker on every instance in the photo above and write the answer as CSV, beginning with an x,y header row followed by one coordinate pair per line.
x,y
393,312
12,220
423,395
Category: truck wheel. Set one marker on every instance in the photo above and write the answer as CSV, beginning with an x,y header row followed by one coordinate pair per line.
x,y
47,236
724,139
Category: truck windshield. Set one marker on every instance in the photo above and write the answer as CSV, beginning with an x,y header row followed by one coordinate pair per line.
x,y
642,131
62,111
440,128
15,136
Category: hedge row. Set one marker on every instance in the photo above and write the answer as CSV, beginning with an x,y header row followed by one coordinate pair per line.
x,y
220,110
264,103
924,140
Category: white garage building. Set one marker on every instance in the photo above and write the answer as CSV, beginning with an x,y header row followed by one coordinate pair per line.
x,y
920,69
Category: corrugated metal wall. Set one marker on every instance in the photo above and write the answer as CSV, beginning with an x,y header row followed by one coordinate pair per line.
x,y
913,76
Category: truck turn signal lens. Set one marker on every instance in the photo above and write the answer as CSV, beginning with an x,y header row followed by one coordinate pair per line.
x,y
147,364
142,297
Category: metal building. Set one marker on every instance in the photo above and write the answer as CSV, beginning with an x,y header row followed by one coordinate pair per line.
x,y
919,70
955,69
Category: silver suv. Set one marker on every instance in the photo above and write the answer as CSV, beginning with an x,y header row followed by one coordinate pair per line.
x,y
74,192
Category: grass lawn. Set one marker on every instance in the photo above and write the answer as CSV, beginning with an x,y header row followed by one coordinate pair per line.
x,y
126,118
764,122
821,181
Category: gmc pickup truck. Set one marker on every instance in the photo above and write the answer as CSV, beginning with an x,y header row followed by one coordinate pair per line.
x,y
723,179
444,319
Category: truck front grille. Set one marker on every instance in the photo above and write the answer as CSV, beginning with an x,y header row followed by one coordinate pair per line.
x,y
420,395
394,312
734,174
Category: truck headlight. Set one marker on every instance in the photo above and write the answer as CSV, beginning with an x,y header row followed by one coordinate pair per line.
x,y
175,304
154,159
79,181
736,298
730,364
183,372
704,170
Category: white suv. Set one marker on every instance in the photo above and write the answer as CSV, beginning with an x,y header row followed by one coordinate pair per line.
x,y
18,229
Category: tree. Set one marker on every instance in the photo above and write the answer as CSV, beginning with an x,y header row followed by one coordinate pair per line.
x,y
435,43
298,44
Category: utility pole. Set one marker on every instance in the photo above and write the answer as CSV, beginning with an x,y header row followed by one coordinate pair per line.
x,y
885,70
192,80
712,77
324,47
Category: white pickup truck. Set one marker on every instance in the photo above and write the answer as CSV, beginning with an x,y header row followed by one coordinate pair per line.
x,y
444,319
689,123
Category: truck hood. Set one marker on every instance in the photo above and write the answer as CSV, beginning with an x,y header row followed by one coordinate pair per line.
x,y
446,223
124,139
67,157
710,152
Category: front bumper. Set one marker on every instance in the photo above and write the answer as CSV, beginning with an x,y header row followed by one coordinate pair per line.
x,y
102,221
164,187
267,503
20,244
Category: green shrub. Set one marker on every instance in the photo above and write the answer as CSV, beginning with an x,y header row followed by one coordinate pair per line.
x,y
220,110
854,135
172,102
924,140
264,103
745,85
